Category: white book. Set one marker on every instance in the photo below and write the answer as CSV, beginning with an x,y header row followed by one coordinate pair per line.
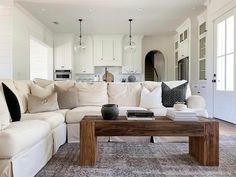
x,y
140,118
185,113
187,119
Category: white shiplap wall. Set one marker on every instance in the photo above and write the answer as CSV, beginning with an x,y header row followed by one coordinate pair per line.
x,y
5,42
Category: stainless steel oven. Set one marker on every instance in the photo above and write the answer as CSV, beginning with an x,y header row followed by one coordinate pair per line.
x,y
62,75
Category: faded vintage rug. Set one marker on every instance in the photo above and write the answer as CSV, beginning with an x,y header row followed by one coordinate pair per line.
x,y
141,160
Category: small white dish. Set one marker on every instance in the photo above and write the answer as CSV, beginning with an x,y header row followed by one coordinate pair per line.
x,y
180,107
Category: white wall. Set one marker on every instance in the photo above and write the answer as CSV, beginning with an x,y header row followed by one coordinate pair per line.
x,y
25,25
164,44
6,27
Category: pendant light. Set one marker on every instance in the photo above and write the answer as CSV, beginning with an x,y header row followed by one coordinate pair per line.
x,y
80,45
130,46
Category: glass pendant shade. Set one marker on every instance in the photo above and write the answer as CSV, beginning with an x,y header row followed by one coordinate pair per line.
x,y
130,46
79,45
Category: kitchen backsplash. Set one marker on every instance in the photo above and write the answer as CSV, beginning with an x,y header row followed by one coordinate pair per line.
x,y
100,71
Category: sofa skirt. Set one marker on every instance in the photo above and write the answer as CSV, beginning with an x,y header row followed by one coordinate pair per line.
x,y
29,162
59,137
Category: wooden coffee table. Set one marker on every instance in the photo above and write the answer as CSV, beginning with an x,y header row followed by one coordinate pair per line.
x,y
203,135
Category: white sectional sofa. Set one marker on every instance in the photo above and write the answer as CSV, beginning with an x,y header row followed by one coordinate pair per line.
x,y
32,141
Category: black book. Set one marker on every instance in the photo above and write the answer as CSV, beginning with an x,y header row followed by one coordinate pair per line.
x,y
139,113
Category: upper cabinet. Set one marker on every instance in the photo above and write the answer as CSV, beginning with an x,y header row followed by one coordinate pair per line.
x,y
184,40
63,51
202,34
83,63
107,50
132,62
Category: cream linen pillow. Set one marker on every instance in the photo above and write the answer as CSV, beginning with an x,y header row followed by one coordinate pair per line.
x,y
67,98
4,113
92,94
41,92
151,99
38,104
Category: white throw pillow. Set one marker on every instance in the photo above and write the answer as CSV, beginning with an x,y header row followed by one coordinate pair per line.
x,y
42,92
151,99
4,113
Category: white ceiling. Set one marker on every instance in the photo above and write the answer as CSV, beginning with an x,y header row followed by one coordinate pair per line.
x,y
151,17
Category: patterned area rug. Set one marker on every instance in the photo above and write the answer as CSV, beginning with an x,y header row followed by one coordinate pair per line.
x,y
141,160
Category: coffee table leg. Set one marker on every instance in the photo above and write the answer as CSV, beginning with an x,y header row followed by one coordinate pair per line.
x,y
88,143
205,149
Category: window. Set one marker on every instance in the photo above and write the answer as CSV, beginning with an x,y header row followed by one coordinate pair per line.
x,y
225,55
41,65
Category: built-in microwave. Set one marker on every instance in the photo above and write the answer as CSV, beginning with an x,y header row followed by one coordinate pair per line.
x,y
62,75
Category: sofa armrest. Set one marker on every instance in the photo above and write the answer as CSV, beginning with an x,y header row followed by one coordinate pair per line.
x,y
196,102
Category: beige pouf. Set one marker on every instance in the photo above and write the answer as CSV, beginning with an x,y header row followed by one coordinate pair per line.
x,y
196,102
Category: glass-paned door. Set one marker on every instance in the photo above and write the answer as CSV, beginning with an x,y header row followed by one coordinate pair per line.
x,y
224,90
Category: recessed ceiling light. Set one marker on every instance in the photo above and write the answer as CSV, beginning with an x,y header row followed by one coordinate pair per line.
x,y
140,9
193,8
56,23
91,10
43,10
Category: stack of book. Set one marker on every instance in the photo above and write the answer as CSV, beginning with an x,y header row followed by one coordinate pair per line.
x,y
185,115
140,115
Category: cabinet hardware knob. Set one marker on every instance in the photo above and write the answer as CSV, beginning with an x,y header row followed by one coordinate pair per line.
x,y
62,66
101,58
84,71
114,59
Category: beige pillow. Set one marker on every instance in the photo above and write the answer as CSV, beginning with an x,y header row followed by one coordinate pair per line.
x,y
42,82
67,98
42,92
92,94
125,94
4,113
37,104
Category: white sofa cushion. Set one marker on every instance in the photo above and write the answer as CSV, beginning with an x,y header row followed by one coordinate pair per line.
x,y
124,94
151,99
161,111
92,94
20,136
4,113
151,85
23,89
52,118
77,114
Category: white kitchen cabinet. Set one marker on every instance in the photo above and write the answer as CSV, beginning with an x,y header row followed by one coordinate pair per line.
x,y
183,49
107,50
84,60
132,62
63,51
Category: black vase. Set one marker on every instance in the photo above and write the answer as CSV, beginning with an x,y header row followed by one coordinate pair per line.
x,y
110,111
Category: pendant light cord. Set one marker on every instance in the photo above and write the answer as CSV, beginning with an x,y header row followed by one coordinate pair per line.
x,y
130,36
80,35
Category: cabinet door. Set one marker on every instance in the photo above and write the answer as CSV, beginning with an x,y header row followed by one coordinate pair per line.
x,y
84,60
59,54
132,62
98,49
63,51
107,50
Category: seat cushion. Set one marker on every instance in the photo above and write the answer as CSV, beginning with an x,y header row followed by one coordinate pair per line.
x,y
20,136
159,111
77,114
52,118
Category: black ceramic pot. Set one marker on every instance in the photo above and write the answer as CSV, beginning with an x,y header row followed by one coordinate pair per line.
x,y
110,111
